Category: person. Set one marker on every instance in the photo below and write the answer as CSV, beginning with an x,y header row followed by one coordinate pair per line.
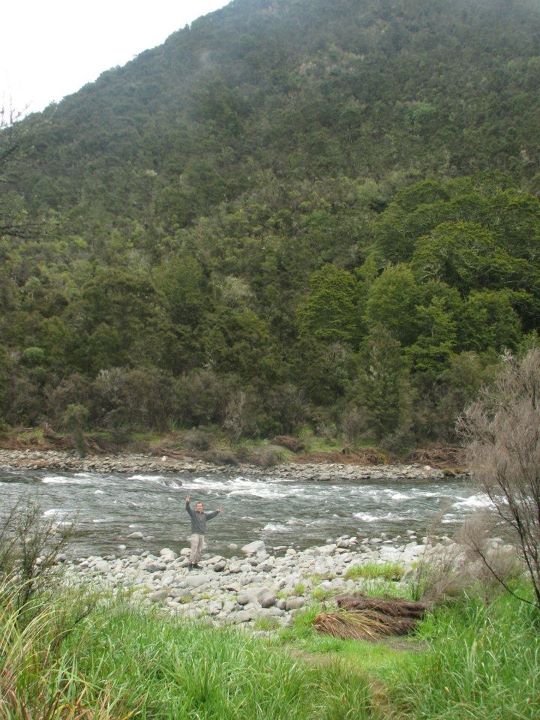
x,y
198,529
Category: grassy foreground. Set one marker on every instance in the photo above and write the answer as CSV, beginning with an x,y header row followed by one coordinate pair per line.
x,y
115,661
122,662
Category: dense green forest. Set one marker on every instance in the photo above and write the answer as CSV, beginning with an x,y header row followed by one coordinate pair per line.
x,y
291,213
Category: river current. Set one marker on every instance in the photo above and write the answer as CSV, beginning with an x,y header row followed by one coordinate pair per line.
x,y
110,511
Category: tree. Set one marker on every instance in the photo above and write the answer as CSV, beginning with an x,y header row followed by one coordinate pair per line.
x,y
382,386
462,254
238,341
502,432
433,349
489,321
329,313
392,303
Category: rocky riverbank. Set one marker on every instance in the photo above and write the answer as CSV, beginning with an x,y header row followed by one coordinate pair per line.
x,y
254,587
137,463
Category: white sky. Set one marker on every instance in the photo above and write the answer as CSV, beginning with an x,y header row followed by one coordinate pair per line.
x,y
51,48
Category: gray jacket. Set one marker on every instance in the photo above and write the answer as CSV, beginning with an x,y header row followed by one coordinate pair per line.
x,y
199,519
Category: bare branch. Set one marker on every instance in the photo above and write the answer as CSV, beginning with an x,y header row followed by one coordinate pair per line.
x,y
502,433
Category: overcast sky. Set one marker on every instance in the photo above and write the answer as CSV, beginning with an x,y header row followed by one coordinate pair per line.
x,y
51,48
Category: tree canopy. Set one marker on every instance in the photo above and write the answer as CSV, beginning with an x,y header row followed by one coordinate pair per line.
x,y
295,208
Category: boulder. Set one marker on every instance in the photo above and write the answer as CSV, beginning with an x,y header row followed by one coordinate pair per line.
x,y
294,603
327,549
266,598
275,612
167,554
155,566
101,566
214,608
244,616
195,581
346,543
253,547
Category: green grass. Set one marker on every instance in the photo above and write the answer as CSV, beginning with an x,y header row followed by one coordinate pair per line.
x,y
373,571
482,663
122,661
266,624
467,661
165,668
371,658
320,594
38,679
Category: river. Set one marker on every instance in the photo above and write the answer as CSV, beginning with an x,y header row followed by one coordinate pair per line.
x,y
107,509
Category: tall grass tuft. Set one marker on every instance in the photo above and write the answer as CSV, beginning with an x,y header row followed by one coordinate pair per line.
x,y
483,663
38,679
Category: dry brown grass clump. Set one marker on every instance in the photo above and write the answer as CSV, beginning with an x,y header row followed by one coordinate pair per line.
x,y
363,618
349,625
392,607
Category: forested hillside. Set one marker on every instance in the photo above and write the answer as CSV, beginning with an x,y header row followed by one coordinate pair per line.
x,y
294,212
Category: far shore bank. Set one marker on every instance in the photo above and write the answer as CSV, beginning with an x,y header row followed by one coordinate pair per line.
x,y
56,460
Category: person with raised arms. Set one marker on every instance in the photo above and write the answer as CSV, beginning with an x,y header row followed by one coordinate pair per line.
x,y
199,518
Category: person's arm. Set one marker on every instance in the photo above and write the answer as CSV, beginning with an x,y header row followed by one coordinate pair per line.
x,y
188,506
213,514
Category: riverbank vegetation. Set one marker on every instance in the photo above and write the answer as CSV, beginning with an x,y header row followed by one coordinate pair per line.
x,y
62,660
246,232
212,445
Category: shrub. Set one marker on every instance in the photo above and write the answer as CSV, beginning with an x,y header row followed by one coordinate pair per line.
x,y
240,418
29,549
353,423
222,457
197,439
134,399
200,398
286,406
267,456
75,419
289,442
503,452
73,390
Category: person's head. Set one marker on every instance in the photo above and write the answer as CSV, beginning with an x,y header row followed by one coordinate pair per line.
x,y
199,507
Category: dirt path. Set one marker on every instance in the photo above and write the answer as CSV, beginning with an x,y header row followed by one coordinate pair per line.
x,y
384,708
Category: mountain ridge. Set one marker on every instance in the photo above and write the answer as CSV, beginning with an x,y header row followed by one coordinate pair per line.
x,y
415,103
276,200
